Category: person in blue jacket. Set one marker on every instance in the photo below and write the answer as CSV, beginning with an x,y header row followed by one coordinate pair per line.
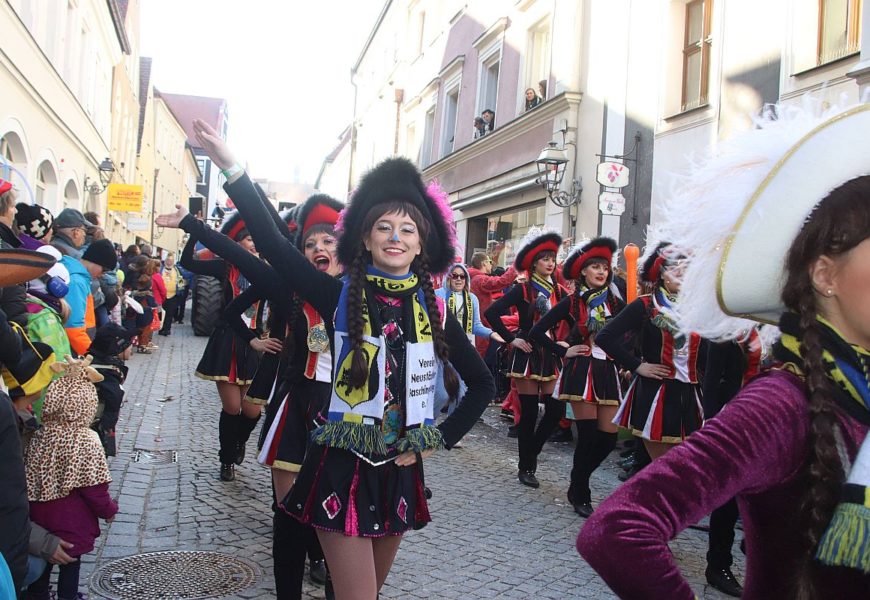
x,y
458,298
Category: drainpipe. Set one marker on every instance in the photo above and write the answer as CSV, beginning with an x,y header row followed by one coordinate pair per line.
x,y
153,203
352,133
400,97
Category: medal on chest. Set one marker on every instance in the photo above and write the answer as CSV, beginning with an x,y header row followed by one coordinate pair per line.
x,y
318,340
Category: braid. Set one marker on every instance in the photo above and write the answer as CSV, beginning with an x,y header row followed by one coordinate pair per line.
x,y
823,467
442,350
292,316
359,370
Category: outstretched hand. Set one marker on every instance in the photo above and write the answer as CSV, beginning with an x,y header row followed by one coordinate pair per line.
x,y
214,146
172,220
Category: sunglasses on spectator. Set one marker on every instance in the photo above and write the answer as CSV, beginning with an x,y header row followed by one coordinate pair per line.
x,y
457,276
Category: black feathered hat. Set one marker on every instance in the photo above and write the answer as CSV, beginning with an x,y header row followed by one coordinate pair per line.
x,y
533,244
318,209
655,263
234,226
600,247
398,179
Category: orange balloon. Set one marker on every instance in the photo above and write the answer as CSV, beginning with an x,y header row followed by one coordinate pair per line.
x,y
631,253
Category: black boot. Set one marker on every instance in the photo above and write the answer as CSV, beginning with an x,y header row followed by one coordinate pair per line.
x,y
227,436
579,494
724,581
288,556
245,427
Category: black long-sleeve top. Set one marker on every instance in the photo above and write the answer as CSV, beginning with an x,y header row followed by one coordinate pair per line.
x,y
516,296
723,375
655,344
322,291
557,314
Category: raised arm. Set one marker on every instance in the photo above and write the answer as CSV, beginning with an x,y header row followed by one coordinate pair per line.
x,y
737,452
233,311
491,283
554,316
481,388
215,267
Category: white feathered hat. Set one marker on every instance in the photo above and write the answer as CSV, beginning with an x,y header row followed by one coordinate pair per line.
x,y
739,210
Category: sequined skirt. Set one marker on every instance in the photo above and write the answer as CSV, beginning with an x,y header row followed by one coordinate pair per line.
x,y
338,491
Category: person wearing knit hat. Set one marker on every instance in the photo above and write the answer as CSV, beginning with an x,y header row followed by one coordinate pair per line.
x,y
100,257
35,221
776,225
388,337
533,367
112,346
662,404
589,379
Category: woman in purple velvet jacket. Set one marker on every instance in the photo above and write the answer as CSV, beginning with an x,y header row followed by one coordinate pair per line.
x,y
794,219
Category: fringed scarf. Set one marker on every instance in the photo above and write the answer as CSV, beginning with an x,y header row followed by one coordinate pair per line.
x,y
464,319
846,541
596,307
356,414
662,300
546,297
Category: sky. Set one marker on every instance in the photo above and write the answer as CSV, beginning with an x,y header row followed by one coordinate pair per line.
x,y
282,65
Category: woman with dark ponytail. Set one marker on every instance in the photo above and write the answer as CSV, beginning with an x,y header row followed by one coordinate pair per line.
x,y
777,226
361,483
533,366
589,378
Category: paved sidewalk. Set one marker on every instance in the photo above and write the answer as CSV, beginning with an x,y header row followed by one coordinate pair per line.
x,y
490,536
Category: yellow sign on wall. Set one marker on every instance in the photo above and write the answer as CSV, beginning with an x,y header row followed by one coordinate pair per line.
x,y
125,197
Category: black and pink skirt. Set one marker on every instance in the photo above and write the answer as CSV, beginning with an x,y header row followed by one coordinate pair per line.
x,y
539,364
661,411
338,491
228,358
288,428
590,380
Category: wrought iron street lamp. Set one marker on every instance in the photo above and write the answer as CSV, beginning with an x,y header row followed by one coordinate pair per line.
x,y
551,170
107,170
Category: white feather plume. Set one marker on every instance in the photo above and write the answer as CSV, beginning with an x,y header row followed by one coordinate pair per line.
x,y
705,205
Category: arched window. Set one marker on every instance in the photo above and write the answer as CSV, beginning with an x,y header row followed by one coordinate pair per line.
x,y
71,195
46,186
12,153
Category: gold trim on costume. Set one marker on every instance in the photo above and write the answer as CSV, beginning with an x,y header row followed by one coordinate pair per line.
x,y
223,378
282,465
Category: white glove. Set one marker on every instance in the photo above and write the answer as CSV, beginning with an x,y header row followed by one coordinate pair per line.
x,y
133,303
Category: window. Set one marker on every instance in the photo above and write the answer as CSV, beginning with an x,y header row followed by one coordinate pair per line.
x,y
839,29
411,149
448,133
202,163
696,54
428,134
46,185
488,90
537,61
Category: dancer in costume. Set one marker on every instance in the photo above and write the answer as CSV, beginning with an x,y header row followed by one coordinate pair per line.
x,y
777,223
361,483
663,402
730,366
533,367
302,370
228,360
589,379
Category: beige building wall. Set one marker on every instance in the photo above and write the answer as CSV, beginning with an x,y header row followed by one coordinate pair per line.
x,y
145,164
56,72
169,158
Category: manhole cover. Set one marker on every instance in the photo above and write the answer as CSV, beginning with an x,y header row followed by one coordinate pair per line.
x,y
155,457
173,575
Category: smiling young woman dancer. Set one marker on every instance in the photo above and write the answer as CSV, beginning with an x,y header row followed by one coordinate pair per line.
x,y
777,224
534,368
303,372
228,360
361,482
589,378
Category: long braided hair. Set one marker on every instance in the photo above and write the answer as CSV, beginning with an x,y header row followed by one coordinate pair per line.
x,y
838,224
356,273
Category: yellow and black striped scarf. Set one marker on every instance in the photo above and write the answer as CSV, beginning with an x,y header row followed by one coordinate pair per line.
x,y
846,541
464,319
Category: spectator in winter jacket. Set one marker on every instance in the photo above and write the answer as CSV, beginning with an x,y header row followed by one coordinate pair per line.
x,y
81,326
111,347
70,232
463,303
484,285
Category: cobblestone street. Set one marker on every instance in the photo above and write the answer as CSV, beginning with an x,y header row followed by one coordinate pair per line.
x,y
490,537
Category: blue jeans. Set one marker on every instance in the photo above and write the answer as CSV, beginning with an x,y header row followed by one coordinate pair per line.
x,y
35,567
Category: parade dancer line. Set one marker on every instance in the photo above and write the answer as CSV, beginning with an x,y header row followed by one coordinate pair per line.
x,y
361,484
589,378
533,367
777,224
228,360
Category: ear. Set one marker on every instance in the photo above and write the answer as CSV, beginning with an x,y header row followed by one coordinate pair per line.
x,y
366,243
57,367
93,375
823,275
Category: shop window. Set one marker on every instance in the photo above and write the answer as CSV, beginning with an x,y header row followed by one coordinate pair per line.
x,y
506,230
448,134
696,54
839,29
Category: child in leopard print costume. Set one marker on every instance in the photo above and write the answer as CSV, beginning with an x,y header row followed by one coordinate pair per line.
x,y
67,474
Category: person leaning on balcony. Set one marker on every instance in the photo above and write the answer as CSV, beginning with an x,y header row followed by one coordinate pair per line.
x,y
532,99
489,119
479,127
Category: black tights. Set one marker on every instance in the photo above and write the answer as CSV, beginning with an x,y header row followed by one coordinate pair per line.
x,y
593,446
530,439
291,541
67,582
722,522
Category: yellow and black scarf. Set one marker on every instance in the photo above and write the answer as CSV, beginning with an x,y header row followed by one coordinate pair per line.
x,y
465,319
846,541
356,414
